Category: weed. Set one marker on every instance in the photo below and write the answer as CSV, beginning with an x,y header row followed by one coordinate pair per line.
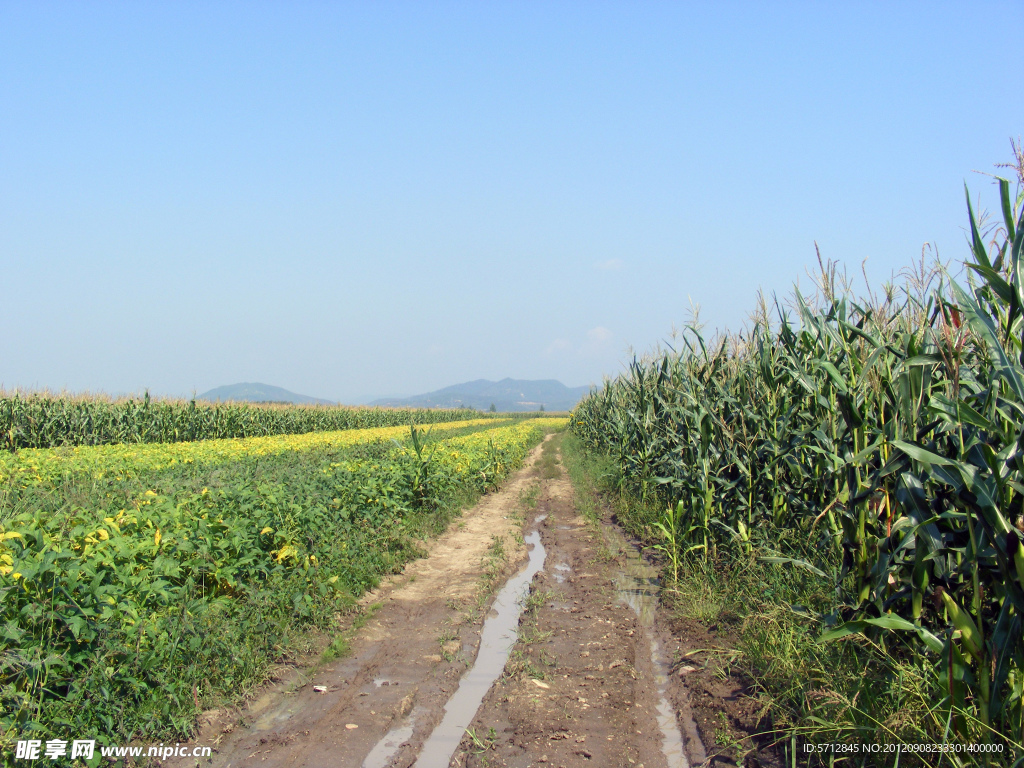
x,y
341,645
481,745
530,634
549,464
497,548
339,648
529,496
520,665
453,604
536,599
446,640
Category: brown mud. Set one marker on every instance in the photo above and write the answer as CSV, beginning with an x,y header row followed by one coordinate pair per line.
x,y
733,724
589,680
580,687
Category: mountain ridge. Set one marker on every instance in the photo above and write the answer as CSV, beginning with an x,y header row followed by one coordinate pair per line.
x,y
255,392
506,395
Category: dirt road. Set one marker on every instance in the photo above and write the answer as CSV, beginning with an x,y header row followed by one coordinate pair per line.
x,y
581,679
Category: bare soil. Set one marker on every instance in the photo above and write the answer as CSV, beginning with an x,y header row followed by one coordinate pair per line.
x,y
579,688
722,701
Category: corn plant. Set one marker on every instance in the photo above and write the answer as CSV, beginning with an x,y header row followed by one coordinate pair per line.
x,y
877,442
42,420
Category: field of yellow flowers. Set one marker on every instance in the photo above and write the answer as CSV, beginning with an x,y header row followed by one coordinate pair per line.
x,y
141,584
47,466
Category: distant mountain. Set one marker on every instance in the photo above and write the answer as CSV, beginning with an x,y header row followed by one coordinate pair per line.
x,y
507,395
259,393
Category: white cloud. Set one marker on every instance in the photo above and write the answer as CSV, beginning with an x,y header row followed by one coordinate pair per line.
x,y
599,335
609,265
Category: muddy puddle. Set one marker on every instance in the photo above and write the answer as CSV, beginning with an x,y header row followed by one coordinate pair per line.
x,y
497,638
380,756
638,585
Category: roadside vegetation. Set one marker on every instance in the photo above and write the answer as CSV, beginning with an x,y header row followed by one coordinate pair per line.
x,y
135,595
844,482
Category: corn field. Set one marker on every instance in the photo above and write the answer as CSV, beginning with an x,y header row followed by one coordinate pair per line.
x,y
46,421
877,443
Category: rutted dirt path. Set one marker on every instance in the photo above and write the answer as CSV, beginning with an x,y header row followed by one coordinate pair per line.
x,y
579,687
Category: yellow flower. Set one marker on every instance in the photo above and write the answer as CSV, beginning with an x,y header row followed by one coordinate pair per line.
x,y
284,552
126,461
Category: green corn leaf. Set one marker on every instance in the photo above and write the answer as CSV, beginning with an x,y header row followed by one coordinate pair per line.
x,y
923,455
868,452
1008,626
794,561
885,622
1019,239
968,629
957,412
1004,199
924,359
995,280
982,324
834,375
977,245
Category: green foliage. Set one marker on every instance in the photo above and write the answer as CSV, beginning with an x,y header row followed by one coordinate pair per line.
x,y
128,605
44,421
877,442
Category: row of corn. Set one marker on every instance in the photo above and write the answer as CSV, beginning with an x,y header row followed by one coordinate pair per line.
x,y
40,420
876,442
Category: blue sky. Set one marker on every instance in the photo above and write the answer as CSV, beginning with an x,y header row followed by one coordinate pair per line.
x,y
353,200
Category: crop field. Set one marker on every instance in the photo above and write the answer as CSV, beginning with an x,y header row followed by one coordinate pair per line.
x,y
858,463
39,420
44,466
142,584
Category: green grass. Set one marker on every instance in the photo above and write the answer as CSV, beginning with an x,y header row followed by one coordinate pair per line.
x,y
549,463
341,645
520,663
493,568
588,474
